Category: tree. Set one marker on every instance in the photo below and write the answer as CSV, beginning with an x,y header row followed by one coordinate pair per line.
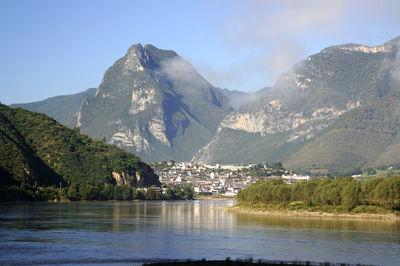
x,y
170,194
188,192
350,194
87,192
73,192
118,193
137,194
126,192
150,194
108,191
277,166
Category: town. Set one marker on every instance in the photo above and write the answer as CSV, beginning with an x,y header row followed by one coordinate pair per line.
x,y
220,178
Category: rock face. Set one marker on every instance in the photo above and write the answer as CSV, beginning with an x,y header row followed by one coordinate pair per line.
x,y
277,118
144,177
155,104
305,102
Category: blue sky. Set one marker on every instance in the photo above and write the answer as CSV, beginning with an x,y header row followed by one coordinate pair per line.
x,y
50,48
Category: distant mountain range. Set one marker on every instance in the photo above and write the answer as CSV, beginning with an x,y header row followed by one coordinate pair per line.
x,y
61,108
335,110
36,150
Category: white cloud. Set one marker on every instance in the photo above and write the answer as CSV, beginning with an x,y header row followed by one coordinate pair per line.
x,y
180,71
279,32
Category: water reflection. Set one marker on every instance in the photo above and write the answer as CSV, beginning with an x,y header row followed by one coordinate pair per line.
x,y
185,229
117,216
321,223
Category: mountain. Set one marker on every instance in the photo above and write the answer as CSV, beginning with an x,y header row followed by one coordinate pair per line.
x,y
35,149
239,98
305,105
61,108
153,103
367,136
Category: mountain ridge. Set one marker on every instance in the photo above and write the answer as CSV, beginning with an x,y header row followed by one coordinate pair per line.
x,y
305,101
62,108
156,104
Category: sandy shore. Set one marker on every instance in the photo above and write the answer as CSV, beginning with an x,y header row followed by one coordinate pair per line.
x,y
289,213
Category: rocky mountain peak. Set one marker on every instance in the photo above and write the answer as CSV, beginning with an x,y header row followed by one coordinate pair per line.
x,y
136,59
154,103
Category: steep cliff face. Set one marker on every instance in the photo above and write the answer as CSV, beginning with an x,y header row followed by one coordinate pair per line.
x,y
155,104
275,117
304,102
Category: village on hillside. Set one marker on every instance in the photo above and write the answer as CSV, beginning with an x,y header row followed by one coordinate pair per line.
x,y
220,178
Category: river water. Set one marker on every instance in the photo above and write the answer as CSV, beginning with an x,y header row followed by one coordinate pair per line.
x,y
125,233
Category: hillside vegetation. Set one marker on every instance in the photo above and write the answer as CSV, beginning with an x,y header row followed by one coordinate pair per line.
x,y
38,151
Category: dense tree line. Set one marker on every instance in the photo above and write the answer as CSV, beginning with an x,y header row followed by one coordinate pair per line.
x,y
76,191
342,192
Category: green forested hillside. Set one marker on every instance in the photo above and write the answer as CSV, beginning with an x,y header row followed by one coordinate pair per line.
x,y
36,150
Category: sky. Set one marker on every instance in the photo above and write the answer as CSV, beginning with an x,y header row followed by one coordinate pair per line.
x,y
50,48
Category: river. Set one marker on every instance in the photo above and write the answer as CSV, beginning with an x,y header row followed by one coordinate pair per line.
x,y
125,233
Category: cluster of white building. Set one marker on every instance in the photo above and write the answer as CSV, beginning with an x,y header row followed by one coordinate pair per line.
x,y
227,179
291,179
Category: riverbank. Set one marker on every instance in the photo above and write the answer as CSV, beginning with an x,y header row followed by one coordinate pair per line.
x,y
306,213
213,196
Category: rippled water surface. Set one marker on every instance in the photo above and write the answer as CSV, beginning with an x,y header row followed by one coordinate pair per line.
x,y
125,233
